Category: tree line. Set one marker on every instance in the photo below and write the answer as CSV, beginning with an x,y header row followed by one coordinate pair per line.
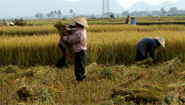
x,y
173,11
52,14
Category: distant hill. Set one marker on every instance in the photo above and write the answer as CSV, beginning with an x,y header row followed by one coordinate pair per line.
x,y
142,6
28,8
31,7
92,6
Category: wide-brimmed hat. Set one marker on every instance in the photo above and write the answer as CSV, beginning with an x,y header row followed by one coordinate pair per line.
x,y
81,20
133,17
161,40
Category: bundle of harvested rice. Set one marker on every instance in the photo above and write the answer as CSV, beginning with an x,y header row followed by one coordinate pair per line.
x,y
90,67
119,100
69,50
138,77
146,61
140,63
11,69
21,22
176,86
139,96
153,87
106,73
170,66
46,97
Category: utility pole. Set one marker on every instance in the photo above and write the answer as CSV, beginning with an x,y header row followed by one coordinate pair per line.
x,y
105,8
98,13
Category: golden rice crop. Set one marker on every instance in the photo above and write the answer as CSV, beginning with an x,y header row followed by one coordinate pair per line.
x,y
50,29
117,47
27,30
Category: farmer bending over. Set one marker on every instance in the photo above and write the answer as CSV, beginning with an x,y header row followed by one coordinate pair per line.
x,y
78,39
148,45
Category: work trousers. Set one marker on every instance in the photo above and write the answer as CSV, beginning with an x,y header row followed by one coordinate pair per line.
x,y
62,62
80,63
140,57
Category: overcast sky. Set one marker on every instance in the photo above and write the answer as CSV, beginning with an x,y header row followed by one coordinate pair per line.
x,y
128,3
6,10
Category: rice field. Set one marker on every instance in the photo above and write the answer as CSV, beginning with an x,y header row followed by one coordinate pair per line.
x,y
49,29
28,55
110,46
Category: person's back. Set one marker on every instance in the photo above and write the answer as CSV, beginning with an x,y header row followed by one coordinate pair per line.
x,y
148,44
133,21
127,20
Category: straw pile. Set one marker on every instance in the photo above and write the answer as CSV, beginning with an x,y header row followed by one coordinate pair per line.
x,y
138,77
170,66
106,74
11,69
142,63
69,50
21,22
140,95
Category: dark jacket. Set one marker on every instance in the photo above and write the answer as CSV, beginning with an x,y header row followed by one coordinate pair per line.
x,y
147,45
127,20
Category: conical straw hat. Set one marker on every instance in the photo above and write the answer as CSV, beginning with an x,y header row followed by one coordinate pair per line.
x,y
161,40
81,20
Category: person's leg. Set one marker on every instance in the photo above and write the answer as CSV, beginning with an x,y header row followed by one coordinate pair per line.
x,y
146,56
62,62
140,57
80,63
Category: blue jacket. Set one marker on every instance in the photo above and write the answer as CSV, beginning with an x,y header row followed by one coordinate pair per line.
x,y
147,45
133,22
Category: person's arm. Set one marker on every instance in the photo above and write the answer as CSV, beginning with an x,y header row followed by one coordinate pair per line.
x,y
68,30
74,38
60,34
152,52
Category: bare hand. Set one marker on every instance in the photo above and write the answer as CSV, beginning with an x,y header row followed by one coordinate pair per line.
x,y
64,27
60,34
